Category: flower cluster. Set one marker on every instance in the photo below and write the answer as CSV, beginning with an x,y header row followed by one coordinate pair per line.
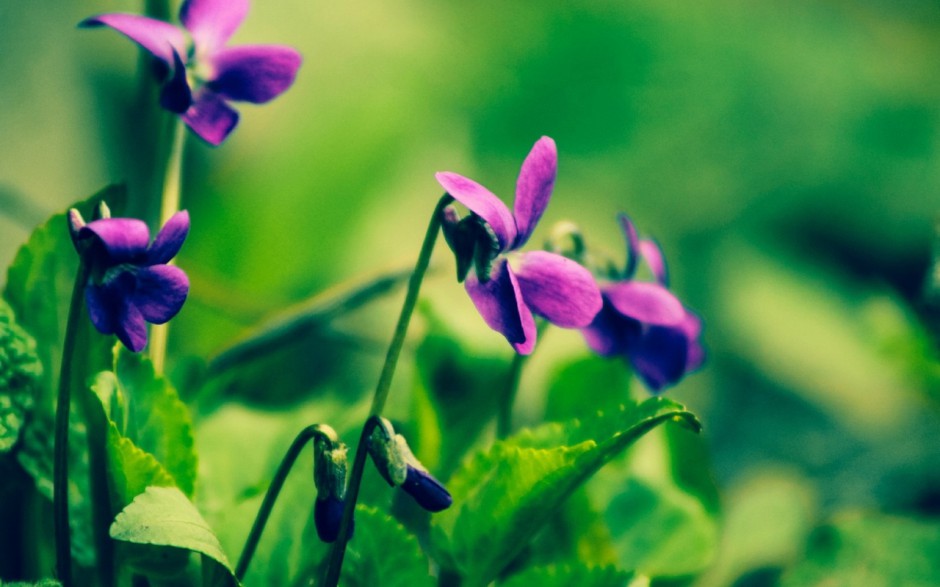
x,y
200,74
131,282
620,316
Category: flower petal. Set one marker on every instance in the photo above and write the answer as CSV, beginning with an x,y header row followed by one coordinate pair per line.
x,y
176,95
131,328
169,239
650,303
212,22
160,292
104,307
659,356
210,117
327,516
483,203
558,288
124,239
692,327
499,301
633,245
608,333
426,490
534,187
158,37
653,255
254,73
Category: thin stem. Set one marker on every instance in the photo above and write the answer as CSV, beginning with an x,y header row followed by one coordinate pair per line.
x,y
264,512
504,420
169,205
60,469
338,551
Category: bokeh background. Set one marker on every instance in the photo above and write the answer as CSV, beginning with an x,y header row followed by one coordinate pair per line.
x,y
785,154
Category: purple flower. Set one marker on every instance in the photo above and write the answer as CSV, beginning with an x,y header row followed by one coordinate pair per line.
x,y
537,282
130,282
644,322
202,76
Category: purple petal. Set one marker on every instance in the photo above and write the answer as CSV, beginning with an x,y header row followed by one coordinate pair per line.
x,y
158,37
499,301
212,22
653,255
256,73
104,307
169,239
558,288
534,187
210,117
483,203
426,490
124,239
176,95
608,333
659,356
327,516
650,303
692,328
132,329
633,245
160,292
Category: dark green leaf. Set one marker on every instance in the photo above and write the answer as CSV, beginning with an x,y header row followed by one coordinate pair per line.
x,y
566,576
20,371
383,553
42,583
503,496
163,516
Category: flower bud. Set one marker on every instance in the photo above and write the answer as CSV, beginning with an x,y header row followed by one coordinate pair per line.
x,y
398,465
329,476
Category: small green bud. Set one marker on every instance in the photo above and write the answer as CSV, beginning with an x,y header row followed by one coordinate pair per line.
x,y
329,464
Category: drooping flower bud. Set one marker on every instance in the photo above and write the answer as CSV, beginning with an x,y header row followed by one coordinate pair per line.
x,y
329,476
398,465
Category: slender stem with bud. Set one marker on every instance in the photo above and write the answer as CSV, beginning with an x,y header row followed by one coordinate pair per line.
x,y
338,551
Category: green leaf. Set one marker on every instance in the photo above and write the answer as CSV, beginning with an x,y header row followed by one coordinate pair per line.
x,y
565,576
383,553
39,287
131,469
20,371
871,550
578,379
503,496
158,421
163,516
41,583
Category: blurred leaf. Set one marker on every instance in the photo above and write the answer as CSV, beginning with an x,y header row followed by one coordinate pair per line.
x,y
383,553
578,379
163,516
871,550
20,371
41,583
565,576
504,496
159,422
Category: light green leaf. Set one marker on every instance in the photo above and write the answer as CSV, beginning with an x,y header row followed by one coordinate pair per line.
x,y
163,516
565,576
383,553
503,496
132,470
871,550
158,421
20,371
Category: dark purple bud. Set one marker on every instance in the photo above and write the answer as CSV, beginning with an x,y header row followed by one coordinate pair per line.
x,y
427,491
327,516
176,95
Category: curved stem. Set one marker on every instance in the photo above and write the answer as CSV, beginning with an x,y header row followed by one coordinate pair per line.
x,y
60,467
381,390
169,205
264,512
504,419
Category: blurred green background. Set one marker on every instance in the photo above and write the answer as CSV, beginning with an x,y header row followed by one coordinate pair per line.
x,y
785,154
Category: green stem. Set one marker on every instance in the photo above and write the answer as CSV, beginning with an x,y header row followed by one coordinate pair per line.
x,y
504,419
169,205
338,551
60,468
264,512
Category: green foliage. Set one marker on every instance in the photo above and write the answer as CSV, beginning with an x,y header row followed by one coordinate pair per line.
x,y
870,550
42,583
503,496
383,553
565,576
163,516
20,371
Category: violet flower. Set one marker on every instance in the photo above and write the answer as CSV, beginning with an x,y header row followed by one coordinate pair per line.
x,y
644,322
202,75
130,281
507,288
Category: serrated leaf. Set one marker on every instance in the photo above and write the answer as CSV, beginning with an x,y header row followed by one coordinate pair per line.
x,y
20,371
158,421
132,470
567,575
503,496
871,550
383,553
163,516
